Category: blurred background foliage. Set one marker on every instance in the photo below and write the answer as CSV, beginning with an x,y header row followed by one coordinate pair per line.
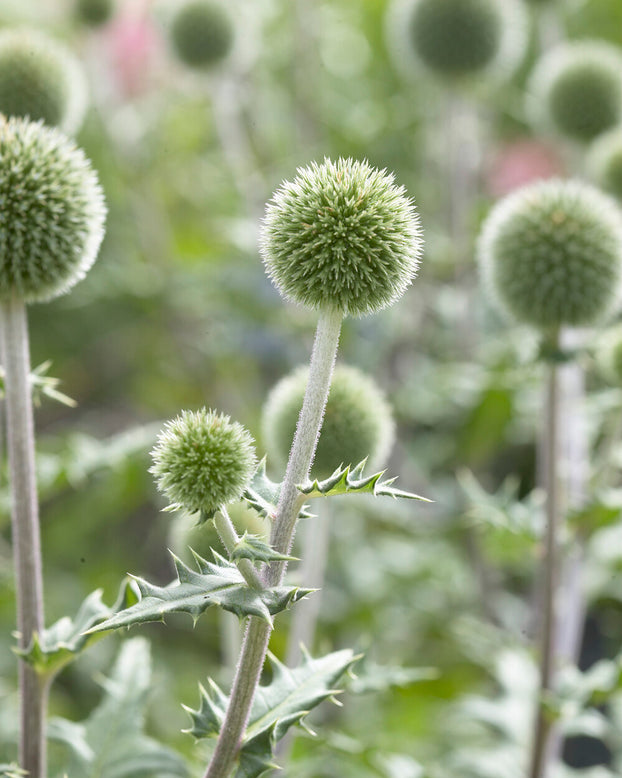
x,y
177,313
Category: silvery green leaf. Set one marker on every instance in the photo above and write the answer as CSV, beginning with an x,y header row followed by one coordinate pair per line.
x,y
350,480
111,743
59,644
372,677
285,701
257,550
262,494
194,591
11,771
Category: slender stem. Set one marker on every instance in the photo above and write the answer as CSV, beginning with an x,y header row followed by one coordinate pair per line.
x,y
301,456
541,751
312,573
25,530
229,537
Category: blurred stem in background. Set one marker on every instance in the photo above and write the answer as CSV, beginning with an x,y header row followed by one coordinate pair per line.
x,y
543,741
25,530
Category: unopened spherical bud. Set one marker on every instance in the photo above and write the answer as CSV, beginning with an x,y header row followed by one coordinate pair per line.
x,y
202,33
605,161
203,460
576,89
358,422
52,212
551,253
342,236
94,13
40,79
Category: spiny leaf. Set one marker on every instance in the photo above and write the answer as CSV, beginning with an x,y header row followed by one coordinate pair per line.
x,y
349,480
111,742
285,701
194,591
11,771
371,677
262,494
257,550
58,645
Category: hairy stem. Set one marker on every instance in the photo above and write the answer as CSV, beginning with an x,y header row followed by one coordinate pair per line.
x,y
228,535
25,530
301,456
541,749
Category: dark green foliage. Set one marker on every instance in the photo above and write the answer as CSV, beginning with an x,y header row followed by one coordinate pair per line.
x,y
51,212
202,33
456,37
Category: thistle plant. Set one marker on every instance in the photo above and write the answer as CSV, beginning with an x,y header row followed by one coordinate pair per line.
x,y
40,80
52,215
343,239
575,90
551,256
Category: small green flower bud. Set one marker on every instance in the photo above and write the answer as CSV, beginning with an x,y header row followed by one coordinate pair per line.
x,y
357,422
94,13
551,253
605,161
52,212
202,33
203,460
576,89
341,236
40,79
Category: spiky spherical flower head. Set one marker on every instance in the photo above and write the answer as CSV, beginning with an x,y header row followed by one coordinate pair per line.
x,y
202,33
576,89
52,211
94,13
605,161
203,460
358,422
551,253
40,79
342,236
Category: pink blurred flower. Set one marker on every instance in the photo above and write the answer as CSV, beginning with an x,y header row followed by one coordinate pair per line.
x,y
519,163
134,47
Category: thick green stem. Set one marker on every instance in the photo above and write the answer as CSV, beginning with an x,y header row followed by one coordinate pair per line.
x,y
25,530
541,751
301,456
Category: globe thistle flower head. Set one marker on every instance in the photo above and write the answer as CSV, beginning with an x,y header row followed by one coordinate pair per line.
x,y
40,80
551,254
575,90
341,236
358,422
202,33
203,460
94,13
605,161
52,212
